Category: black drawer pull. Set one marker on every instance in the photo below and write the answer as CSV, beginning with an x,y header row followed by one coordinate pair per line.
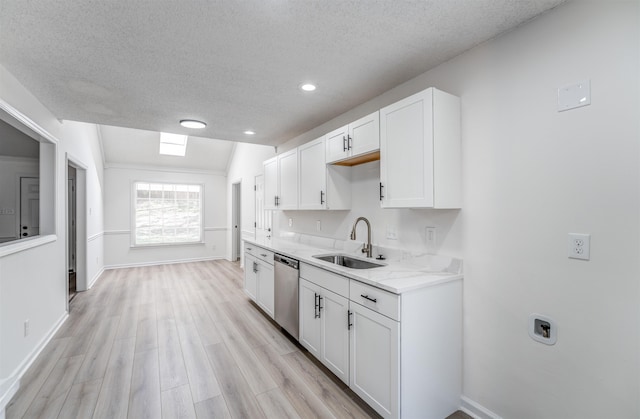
x,y
375,300
263,255
349,324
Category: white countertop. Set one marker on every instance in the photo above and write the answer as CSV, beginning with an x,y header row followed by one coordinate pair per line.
x,y
396,276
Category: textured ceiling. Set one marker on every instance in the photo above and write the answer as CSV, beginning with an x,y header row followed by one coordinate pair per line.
x,y
136,147
235,64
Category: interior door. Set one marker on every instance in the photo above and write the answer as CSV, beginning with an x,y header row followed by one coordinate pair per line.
x,y
72,223
29,206
263,217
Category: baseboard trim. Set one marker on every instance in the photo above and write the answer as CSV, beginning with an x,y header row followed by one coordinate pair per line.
x,y
476,410
10,385
95,278
161,262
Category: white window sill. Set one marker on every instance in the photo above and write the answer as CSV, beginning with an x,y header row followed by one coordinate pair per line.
x,y
25,244
146,246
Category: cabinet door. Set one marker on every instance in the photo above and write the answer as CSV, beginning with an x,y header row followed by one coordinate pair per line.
x,y
288,180
309,321
313,175
364,134
270,183
406,152
335,334
265,288
375,362
337,144
250,273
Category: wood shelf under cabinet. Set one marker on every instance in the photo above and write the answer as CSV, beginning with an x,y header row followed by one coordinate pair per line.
x,y
364,158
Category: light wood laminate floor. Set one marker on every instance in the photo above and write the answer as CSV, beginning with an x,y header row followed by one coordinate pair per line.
x,y
176,341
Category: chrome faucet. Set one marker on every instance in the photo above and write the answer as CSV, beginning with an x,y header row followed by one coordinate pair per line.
x,y
368,249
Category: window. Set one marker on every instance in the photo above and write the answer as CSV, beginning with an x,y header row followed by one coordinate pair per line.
x,y
167,213
27,181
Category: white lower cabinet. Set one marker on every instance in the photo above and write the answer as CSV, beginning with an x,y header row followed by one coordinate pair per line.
x,y
324,327
401,353
375,360
259,281
250,275
265,285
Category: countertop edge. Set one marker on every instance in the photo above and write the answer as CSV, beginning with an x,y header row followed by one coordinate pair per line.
x,y
416,281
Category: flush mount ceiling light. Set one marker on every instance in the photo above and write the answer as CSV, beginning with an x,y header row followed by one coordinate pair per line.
x,y
192,123
249,132
308,87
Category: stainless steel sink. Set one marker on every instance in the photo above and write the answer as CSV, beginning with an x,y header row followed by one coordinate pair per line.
x,y
348,261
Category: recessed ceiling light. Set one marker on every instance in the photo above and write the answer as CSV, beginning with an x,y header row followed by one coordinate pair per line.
x,y
191,123
308,87
249,132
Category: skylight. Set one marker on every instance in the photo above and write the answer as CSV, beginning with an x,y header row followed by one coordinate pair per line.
x,y
173,144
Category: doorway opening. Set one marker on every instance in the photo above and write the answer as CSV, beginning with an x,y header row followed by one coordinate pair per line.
x,y
235,221
71,230
76,229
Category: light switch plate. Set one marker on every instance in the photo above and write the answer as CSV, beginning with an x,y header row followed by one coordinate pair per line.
x,y
574,95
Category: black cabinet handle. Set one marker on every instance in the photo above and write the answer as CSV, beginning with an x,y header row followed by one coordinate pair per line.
x,y
344,143
249,248
316,312
255,267
264,255
349,142
349,324
321,197
366,297
275,201
381,196
319,305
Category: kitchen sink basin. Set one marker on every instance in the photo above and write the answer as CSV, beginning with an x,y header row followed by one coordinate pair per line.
x,y
348,261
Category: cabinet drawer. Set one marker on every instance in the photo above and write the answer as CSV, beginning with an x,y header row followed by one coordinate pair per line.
x,y
376,299
333,282
259,253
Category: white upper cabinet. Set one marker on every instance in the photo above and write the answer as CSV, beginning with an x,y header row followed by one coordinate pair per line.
x,y
337,144
420,161
321,186
288,179
358,138
281,181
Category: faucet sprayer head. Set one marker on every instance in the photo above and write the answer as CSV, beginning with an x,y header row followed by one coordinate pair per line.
x,y
353,234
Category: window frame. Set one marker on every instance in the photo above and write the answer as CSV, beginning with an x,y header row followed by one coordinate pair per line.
x,y
48,175
133,224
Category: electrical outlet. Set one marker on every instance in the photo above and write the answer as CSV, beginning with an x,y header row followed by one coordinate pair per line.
x,y
318,225
26,328
392,233
579,246
430,234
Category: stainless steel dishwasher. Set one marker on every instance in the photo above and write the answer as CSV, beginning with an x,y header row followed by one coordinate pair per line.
x,y
286,294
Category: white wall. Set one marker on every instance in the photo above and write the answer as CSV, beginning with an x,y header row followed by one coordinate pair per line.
x,y
245,164
532,175
118,250
33,282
